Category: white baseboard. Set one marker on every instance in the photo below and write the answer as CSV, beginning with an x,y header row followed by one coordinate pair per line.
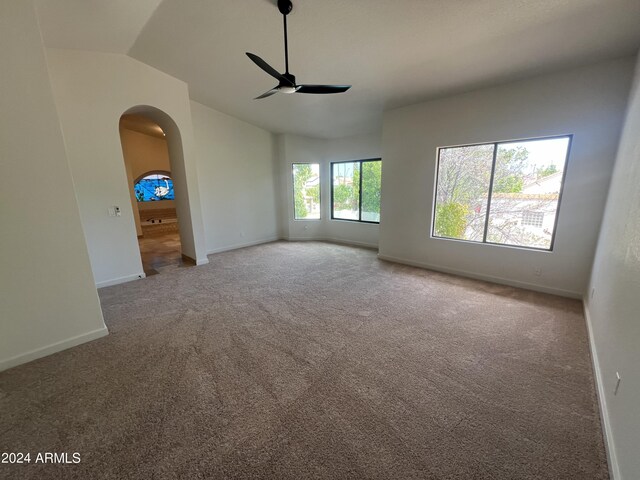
x,y
53,348
614,470
116,281
487,278
355,243
339,241
202,261
302,239
243,245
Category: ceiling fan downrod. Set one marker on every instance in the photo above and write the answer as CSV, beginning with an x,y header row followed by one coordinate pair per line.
x,y
285,7
286,81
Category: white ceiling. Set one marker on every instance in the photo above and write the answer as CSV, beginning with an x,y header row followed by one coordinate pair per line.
x,y
98,25
394,53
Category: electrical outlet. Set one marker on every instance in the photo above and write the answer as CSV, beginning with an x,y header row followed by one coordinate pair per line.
x,y
114,211
537,271
618,379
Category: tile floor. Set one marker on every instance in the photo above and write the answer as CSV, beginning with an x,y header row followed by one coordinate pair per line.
x,y
159,251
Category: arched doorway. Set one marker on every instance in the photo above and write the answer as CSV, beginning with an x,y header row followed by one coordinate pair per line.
x,y
152,152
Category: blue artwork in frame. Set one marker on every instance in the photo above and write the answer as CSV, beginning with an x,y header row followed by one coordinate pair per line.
x,y
154,187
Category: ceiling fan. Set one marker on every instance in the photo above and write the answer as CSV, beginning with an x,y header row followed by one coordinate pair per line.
x,y
287,82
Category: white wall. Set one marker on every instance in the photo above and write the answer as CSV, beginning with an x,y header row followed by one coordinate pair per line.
x,y
92,90
360,147
614,311
48,301
237,180
588,102
299,149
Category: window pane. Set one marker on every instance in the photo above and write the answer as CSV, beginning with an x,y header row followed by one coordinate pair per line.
x,y
306,191
371,176
346,190
526,189
153,188
462,192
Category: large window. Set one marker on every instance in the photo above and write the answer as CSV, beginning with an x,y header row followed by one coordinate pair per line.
x,y
153,187
355,190
306,191
502,193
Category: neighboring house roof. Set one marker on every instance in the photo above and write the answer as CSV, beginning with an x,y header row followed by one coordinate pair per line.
x,y
549,184
526,196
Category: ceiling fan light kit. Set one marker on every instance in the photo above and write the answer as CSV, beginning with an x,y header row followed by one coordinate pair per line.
x,y
286,81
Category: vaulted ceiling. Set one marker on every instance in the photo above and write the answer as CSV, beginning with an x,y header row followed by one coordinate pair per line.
x,y
394,53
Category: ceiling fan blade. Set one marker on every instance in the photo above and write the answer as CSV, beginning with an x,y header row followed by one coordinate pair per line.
x,y
267,94
269,69
322,89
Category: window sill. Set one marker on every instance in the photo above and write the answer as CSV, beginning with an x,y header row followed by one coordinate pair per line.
x,y
355,221
490,244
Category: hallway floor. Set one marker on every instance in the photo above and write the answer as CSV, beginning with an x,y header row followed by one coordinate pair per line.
x,y
159,251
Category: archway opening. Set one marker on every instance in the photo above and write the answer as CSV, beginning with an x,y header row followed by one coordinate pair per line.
x,y
152,188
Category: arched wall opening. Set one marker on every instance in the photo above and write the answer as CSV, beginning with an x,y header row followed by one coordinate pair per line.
x,y
177,173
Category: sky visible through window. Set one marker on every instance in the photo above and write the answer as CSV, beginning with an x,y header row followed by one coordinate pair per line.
x,y
543,153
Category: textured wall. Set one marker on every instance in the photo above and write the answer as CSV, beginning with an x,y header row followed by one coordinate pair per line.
x,y
237,180
588,102
298,149
614,309
47,298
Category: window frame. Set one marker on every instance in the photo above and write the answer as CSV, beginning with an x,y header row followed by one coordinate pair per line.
x,y
359,220
293,191
496,144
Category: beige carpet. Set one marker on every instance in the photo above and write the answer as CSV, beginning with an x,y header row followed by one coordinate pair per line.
x,y
312,360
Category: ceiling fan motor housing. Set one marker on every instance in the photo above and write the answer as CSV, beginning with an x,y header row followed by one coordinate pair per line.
x,y
285,6
289,77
